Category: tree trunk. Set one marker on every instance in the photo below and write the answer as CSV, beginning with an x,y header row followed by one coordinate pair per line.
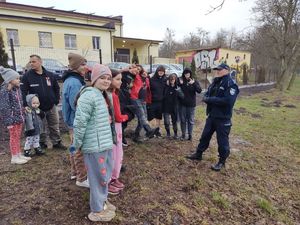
x,y
292,81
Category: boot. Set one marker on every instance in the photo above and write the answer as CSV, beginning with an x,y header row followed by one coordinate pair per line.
x,y
60,145
195,156
190,137
137,138
39,151
217,167
168,133
43,145
175,134
27,153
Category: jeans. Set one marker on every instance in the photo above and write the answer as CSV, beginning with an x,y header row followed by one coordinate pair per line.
x,y
141,114
167,122
187,117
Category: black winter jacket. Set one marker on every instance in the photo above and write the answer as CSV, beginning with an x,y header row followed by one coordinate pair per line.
x,y
157,86
189,91
170,99
220,97
44,85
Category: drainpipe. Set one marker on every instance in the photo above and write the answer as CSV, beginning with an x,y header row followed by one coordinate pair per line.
x,y
111,47
149,51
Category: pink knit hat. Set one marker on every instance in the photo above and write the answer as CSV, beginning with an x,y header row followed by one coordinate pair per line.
x,y
98,71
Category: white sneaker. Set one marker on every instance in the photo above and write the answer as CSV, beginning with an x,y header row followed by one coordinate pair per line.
x,y
83,183
73,177
24,157
17,160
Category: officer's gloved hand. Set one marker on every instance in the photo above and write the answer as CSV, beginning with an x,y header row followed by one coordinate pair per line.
x,y
205,99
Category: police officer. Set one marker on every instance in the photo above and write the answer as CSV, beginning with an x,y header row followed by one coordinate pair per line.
x,y
220,98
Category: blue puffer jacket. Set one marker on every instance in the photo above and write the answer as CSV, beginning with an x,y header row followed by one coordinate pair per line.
x,y
72,84
11,106
92,130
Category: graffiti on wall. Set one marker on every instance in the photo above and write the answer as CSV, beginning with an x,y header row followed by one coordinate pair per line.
x,y
207,58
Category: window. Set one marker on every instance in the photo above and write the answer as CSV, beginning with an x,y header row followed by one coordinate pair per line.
x,y
12,34
45,39
96,42
70,41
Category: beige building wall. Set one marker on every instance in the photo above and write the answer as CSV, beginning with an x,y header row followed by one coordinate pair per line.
x,y
29,42
231,56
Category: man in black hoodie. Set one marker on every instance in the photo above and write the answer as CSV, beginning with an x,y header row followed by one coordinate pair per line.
x,y
41,82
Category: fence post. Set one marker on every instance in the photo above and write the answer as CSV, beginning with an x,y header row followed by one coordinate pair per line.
x,y
11,41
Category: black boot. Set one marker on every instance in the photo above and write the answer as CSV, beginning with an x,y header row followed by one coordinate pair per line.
x,y
195,156
137,138
168,133
59,145
27,153
43,145
190,137
39,151
218,166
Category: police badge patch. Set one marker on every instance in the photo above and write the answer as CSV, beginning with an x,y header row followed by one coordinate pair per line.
x,y
232,91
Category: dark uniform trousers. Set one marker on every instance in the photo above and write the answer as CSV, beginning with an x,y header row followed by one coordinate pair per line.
x,y
222,128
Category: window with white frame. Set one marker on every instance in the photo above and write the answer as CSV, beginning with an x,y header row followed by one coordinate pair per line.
x,y
45,39
96,42
12,34
70,41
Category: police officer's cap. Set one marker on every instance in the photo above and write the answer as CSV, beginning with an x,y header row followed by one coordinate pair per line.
x,y
222,66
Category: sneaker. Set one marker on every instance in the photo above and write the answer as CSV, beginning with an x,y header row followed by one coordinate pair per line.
x,y
124,142
17,160
152,132
39,151
43,145
83,183
105,215
24,157
182,138
73,177
109,206
175,137
113,190
59,145
117,183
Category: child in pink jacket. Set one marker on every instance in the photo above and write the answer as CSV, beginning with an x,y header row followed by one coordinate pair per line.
x,y
115,185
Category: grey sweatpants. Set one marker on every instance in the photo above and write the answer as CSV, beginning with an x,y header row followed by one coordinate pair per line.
x,y
99,168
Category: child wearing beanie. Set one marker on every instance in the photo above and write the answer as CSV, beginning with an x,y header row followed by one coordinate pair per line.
x,y
94,134
11,111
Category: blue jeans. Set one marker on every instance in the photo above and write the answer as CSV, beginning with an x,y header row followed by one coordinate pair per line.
x,y
167,122
187,119
141,114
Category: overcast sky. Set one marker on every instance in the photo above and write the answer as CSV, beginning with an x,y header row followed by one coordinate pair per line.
x,y
149,19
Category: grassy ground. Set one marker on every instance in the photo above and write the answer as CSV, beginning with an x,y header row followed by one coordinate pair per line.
x,y
259,186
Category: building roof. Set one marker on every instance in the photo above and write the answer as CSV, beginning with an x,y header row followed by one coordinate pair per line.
x,y
137,39
51,10
208,48
109,26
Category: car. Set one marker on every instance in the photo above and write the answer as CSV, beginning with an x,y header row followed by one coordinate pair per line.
x,y
56,67
118,65
168,68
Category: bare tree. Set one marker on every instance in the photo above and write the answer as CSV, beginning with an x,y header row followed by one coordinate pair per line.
x,y
167,49
280,22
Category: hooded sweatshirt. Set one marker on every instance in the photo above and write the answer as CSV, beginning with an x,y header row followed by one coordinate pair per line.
x,y
73,82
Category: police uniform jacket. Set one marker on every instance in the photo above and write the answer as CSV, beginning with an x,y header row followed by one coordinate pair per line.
x,y
220,97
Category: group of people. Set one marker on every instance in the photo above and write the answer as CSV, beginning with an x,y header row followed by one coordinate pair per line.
x,y
97,113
